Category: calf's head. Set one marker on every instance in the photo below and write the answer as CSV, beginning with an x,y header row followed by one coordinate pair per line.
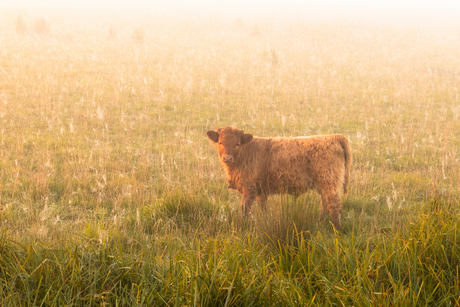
x,y
229,141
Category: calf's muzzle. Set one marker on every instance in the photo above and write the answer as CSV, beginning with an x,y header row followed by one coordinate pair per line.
x,y
227,159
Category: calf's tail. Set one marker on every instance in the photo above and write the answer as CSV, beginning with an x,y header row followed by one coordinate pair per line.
x,y
348,158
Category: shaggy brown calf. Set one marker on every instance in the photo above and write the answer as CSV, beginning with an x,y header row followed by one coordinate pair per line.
x,y
257,167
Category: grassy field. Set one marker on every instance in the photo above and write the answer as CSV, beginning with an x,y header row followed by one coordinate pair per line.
x,y
112,195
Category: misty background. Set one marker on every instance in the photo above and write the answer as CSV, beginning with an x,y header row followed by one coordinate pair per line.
x,y
381,11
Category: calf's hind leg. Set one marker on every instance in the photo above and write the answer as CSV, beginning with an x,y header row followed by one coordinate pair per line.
x,y
324,208
331,203
262,200
335,205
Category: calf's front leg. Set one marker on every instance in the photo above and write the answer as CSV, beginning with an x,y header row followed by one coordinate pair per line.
x,y
247,200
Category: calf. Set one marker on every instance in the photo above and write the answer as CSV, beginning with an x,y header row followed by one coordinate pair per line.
x,y
257,167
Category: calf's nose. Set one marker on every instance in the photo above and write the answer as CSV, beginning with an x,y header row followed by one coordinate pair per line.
x,y
227,159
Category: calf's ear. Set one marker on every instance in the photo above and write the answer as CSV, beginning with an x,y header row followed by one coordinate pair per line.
x,y
213,136
246,138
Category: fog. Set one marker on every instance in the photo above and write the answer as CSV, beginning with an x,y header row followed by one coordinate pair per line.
x,y
380,11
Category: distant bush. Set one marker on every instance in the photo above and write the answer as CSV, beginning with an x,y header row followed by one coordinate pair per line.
x,y
20,25
256,31
138,36
112,32
41,26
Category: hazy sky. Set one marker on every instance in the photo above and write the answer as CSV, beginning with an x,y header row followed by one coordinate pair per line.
x,y
253,4
399,9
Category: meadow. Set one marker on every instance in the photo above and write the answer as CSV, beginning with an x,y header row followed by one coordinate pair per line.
x,y
112,195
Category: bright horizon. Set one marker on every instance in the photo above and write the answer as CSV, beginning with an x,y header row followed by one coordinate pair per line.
x,y
328,9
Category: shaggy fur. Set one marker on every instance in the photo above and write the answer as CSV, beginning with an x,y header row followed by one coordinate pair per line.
x,y
257,167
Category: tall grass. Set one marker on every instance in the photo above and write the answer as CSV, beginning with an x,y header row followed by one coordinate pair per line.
x,y
110,193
